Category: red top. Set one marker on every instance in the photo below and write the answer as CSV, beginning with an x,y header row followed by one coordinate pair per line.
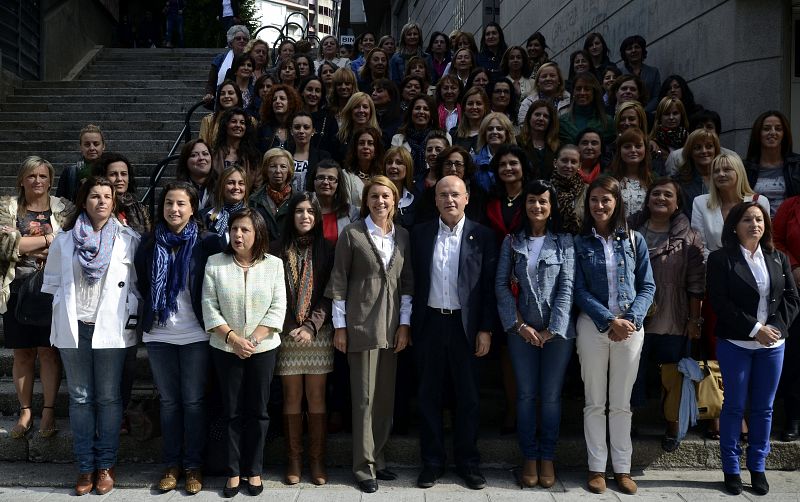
x,y
593,174
786,229
330,230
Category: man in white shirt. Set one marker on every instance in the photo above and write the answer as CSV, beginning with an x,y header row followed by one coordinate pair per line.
x,y
454,261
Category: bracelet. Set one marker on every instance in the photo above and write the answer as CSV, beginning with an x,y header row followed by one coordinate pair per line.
x,y
227,335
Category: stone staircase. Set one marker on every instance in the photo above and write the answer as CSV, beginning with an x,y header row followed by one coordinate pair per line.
x,y
138,97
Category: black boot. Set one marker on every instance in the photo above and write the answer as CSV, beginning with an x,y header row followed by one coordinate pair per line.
x,y
791,431
733,484
759,482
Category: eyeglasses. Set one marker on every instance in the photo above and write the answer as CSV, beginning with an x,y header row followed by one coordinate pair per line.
x,y
502,91
453,163
330,179
241,39
448,195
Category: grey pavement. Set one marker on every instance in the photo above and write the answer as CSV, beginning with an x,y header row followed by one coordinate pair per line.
x,y
30,482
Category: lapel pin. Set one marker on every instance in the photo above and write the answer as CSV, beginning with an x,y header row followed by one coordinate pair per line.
x,y
470,237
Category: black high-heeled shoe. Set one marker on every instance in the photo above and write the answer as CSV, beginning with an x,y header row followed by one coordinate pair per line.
x,y
231,491
758,480
255,490
733,484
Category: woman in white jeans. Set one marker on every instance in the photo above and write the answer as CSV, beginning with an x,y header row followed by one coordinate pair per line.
x,y
614,288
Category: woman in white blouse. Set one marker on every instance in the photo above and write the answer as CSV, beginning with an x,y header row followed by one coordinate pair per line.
x,y
244,303
729,187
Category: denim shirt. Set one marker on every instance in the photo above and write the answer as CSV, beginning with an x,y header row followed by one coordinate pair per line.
x,y
545,301
635,286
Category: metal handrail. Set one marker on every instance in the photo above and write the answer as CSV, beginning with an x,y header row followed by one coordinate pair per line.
x,y
184,136
154,179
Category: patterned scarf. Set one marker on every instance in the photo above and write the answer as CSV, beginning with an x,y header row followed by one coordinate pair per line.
x,y
416,140
170,271
221,223
568,190
672,138
301,277
279,196
93,248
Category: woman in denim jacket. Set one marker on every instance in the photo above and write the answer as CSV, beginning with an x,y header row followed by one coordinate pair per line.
x,y
539,264
614,287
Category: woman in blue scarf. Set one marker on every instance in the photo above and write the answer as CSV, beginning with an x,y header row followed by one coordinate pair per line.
x,y
89,272
170,266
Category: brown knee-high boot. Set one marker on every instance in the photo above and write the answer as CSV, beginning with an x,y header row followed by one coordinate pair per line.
x,y
293,435
317,437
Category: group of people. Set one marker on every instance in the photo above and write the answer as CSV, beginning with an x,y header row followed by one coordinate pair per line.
x,y
325,219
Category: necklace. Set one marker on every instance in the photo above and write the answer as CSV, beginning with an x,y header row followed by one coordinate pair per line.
x,y
242,266
512,199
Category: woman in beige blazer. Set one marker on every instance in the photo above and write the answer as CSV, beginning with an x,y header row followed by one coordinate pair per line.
x,y
244,303
371,286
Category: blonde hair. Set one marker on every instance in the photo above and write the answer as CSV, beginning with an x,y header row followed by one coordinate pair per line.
x,y
743,188
346,129
504,121
219,193
27,166
549,64
636,107
663,106
379,180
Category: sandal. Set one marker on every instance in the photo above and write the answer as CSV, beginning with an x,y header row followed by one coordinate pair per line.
x,y
49,431
18,431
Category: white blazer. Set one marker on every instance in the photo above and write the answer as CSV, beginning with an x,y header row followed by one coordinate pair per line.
x,y
709,222
118,300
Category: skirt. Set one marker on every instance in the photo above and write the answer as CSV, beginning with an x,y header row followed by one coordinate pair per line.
x,y
315,358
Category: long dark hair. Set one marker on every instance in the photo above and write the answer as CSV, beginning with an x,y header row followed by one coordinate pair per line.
x,y
494,165
754,146
730,240
341,199
538,187
182,169
261,241
289,234
609,184
501,43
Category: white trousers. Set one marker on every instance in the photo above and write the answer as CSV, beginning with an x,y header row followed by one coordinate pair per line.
x,y
608,370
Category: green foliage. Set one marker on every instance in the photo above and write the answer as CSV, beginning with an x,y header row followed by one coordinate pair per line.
x,y
201,27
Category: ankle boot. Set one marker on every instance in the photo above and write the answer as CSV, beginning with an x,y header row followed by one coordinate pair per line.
x,y
791,431
317,437
293,435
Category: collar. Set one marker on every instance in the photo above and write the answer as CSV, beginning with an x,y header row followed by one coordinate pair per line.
x,y
372,228
456,229
603,239
758,254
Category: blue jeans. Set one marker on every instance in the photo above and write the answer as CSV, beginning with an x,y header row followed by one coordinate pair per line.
x,y
175,24
94,378
539,374
752,374
180,373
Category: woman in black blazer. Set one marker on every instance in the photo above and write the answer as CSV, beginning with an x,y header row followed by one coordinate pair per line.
x,y
753,294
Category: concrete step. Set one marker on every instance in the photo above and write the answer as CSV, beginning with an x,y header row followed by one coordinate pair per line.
x,y
114,84
75,125
122,145
403,451
147,53
166,74
60,159
111,91
176,106
112,136
90,117
159,99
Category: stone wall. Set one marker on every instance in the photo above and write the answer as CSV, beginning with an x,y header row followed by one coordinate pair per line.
x,y
735,54
69,30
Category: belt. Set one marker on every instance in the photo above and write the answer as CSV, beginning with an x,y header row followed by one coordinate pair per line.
x,y
445,311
